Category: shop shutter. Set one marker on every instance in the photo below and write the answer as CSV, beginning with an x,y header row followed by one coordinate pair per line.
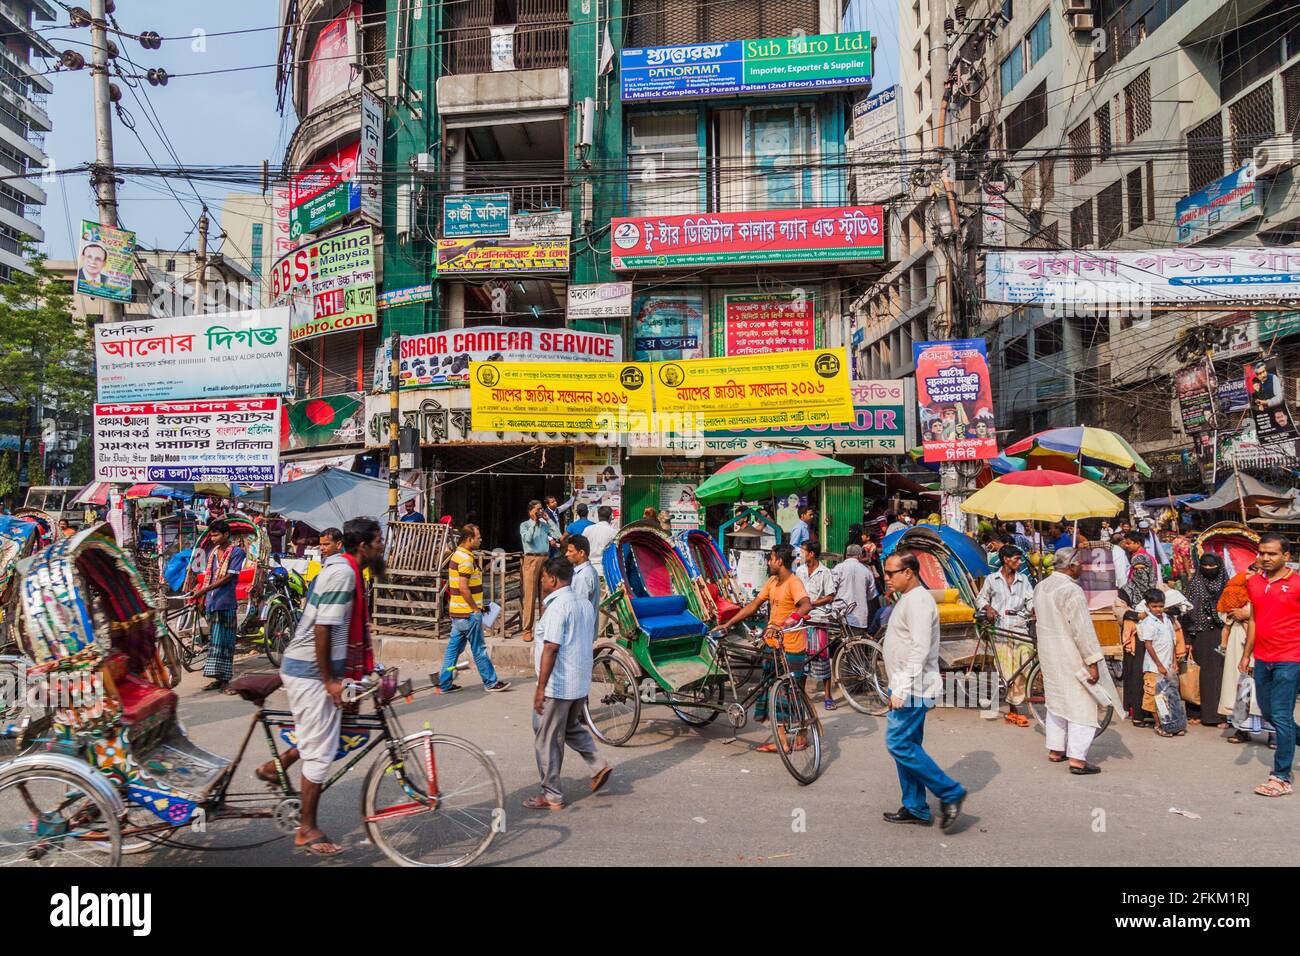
x,y
639,493
841,508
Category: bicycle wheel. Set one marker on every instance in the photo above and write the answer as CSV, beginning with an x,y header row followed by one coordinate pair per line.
x,y
278,632
172,657
49,817
795,730
859,669
613,708
1036,695
439,803
709,697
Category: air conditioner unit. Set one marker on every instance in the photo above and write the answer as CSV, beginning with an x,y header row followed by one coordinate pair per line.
x,y
1082,22
1078,6
1274,155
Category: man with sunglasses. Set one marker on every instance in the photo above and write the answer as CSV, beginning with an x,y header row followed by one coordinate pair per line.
x,y
912,661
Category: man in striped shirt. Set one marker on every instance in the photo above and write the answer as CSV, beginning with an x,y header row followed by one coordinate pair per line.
x,y
465,604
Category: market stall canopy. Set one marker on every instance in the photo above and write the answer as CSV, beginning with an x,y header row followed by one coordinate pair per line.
x,y
1288,513
1084,444
768,474
1041,495
1173,501
183,490
333,496
965,548
1239,488
95,493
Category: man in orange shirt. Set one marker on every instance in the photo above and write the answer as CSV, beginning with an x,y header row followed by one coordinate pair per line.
x,y
789,604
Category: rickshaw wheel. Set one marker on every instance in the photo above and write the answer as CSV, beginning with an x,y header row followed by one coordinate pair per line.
x,y
710,699
50,817
613,707
859,670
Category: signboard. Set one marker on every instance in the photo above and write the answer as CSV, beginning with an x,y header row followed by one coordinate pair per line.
x,y
608,397
226,440
439,359
829,61
1219,206
324,192
1268,408
776,322
408,296
329,284
370,158
1242,338
503,48
598,481
606,300
677,500
995,213
442,417
1277,325
501,256
876,146
804,388
328,420
541,225
1230,396
1195,387
667,327
105,262
878,427
281,242
193,356
1226,273
329,70
478,214
838,234
955,399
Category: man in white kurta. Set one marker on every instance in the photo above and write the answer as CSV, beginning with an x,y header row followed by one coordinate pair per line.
x,y
1068,644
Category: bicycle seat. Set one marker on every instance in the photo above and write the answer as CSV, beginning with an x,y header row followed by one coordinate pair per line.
x,y
256,688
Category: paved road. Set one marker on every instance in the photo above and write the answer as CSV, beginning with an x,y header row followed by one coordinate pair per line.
x,y
681,796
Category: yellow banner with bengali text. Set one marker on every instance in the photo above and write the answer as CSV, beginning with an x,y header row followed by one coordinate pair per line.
x,y
778,389
611,397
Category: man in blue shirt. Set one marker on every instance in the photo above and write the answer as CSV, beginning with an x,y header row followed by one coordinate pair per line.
x,y
563,660
803,530
221,566
411,513
582,524
537,535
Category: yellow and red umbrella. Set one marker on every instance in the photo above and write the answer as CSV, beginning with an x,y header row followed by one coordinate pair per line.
x,y
1041,495
1081,443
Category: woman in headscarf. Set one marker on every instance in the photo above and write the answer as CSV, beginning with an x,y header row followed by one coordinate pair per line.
x,y
1204,629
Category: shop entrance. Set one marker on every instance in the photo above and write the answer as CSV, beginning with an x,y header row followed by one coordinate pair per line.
x,y
491,486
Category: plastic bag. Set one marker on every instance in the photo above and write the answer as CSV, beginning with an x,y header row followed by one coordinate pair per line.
x,y
1242,718
1169,706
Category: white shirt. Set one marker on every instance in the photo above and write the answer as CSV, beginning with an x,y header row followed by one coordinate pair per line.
x,y
1004,598
1120,557
855,584
586,585
1160,632
598,536
895,526
818,584
912,646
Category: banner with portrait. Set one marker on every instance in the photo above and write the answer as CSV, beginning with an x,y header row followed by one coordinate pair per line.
x,y
1268,408
105,262
955,399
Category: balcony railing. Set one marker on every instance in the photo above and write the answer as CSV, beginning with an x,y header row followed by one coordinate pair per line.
x,y
528,197
537,46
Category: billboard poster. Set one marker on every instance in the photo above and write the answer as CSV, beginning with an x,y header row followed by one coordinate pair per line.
x,y
411,295
748,391
876,147
1222,274
501,256
281,242
1268,408
598,481
1195,387
829,61
555,223
601,397
329,70
605,300
836,234
219,355
668,327
438,359
328,420
677,500
105,262
328,284
769,322
955,400
1230,394
1219,206
370,158
324,192
470,215
234,439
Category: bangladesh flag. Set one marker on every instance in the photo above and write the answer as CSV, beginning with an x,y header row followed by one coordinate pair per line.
x,y
320,421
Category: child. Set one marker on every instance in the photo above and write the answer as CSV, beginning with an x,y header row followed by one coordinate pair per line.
x,y
1159,671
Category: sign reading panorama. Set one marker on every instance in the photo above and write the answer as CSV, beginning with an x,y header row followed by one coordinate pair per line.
x,y
828,61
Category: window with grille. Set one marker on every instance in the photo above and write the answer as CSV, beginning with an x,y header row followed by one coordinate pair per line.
x,y
669,22
1151,190
1135,206
1137,107
1048,339
1259,47
1110,213
1046,177
1205,153
1291,101
1027,120
665,164
1250,121
1081,150
1103,133
1029,184
1017,352
1081,224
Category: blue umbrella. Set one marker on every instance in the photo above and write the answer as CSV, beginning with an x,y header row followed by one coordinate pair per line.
x,y
331,497
965,548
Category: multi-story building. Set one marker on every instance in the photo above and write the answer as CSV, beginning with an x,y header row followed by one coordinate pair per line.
x,y
24,89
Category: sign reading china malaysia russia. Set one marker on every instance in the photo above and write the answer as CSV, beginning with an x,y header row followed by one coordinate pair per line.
x,y
328,284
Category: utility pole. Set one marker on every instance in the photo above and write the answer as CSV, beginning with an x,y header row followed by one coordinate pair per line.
x,y
394,422
201,262
104,175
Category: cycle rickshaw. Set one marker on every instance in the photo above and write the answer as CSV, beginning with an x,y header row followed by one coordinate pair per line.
x,y
118,774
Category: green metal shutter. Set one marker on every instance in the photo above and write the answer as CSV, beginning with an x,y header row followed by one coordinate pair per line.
x,y
639,492
841,508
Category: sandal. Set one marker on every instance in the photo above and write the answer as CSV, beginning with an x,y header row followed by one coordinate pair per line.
x,y
1274,788
828,704
1020,720
1057,757
318,846
539,802
1240,737
215,684
1164,733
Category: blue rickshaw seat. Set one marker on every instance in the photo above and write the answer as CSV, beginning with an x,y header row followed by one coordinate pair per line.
x,y
665,617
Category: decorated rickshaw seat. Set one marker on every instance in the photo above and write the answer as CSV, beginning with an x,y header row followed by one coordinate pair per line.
x,y
726,609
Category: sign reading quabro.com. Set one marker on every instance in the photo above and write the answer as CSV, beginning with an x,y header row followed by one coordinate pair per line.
x,y
329,284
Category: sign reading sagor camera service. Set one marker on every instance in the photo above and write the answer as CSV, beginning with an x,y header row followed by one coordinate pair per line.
x,y
193,356
235,439
328,285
